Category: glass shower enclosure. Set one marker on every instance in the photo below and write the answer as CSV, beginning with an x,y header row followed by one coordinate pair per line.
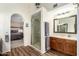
x,y
36,30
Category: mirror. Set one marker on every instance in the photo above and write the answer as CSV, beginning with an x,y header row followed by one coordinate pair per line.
x,y
66,25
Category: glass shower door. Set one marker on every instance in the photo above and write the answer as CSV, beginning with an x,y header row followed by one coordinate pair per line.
x,y
36,30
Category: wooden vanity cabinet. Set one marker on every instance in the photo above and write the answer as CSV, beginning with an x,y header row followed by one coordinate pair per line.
x,y
64,45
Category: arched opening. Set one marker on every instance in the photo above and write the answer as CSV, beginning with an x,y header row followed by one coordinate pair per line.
x,y
17,31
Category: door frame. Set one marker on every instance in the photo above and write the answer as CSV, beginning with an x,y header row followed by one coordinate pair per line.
x,y
10,27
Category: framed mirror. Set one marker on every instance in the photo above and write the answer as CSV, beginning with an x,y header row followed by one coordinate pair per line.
x,y
66,25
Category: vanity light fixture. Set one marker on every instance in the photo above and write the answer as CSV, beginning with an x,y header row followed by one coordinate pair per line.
x,y
63,13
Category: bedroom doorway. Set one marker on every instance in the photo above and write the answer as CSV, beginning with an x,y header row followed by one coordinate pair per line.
x,y
16,31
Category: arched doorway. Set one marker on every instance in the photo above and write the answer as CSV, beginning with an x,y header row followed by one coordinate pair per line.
x,y
16,31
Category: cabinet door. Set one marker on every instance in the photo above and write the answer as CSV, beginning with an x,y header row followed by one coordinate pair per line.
x,y
53,43
70,47
60,44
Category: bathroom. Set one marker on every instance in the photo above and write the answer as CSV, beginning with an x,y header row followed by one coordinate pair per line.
x,y
38,23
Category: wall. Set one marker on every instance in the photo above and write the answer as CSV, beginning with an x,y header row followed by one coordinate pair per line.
x,y
16,20
49,6
43,20
78,32
6,11
54,14
1,25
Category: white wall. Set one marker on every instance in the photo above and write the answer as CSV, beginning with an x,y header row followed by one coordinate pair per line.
x,y
43,20
53,14
78,31
6,10
1,25
49,6
27,30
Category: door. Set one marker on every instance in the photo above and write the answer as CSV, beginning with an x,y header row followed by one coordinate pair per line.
x,y
36,30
